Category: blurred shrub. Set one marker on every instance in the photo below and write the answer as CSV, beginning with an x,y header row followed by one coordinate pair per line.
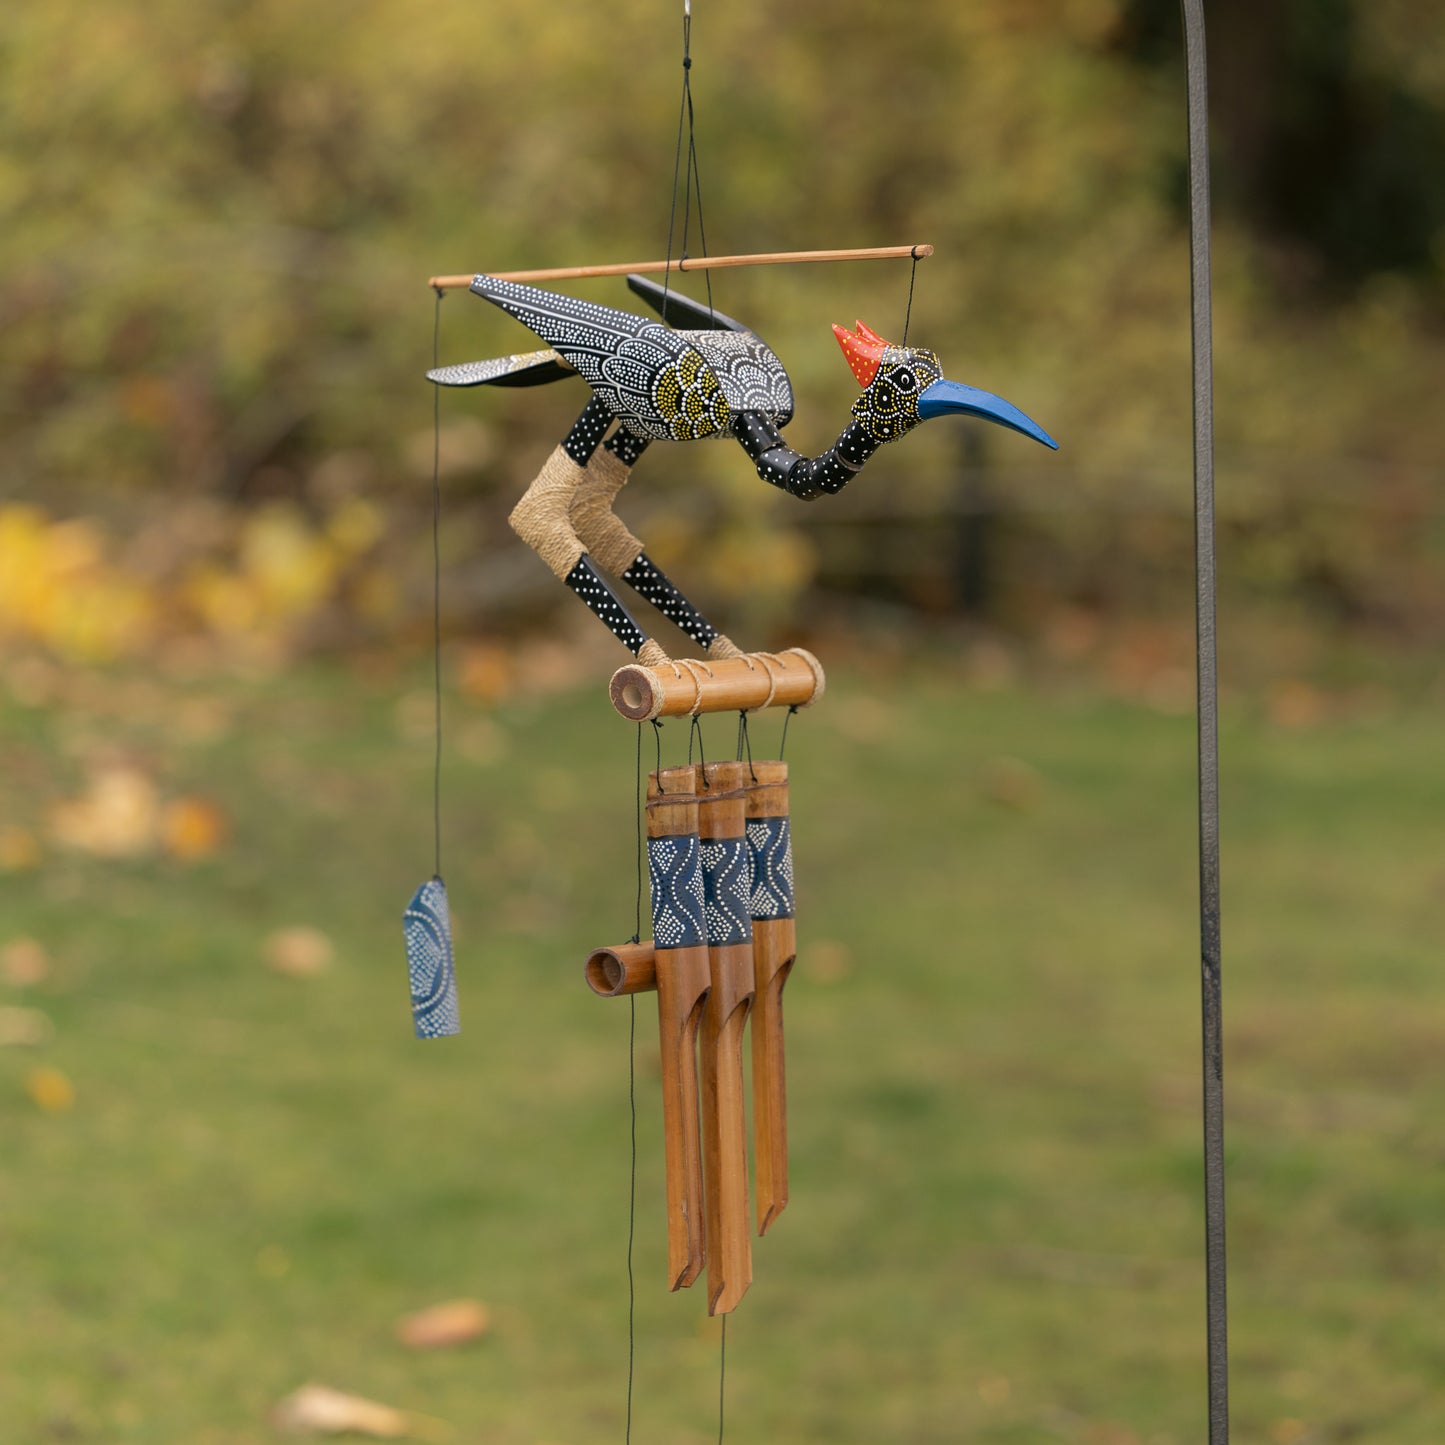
x,y
219,220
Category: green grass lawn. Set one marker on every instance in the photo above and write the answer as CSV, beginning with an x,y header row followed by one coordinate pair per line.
x,y
995,1230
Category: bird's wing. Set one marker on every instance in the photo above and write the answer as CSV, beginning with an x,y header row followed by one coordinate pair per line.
x,y
529,368
751,376
575,329
679,310
650,378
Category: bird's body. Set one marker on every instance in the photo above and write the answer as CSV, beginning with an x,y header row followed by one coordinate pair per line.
x,y
660,382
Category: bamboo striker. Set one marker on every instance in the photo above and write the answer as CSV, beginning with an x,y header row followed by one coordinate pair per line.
x,y
622,969
793,678
682,977
691,263
775,947
727,886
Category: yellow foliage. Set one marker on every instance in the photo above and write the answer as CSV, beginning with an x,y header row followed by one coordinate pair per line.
x,y
57,588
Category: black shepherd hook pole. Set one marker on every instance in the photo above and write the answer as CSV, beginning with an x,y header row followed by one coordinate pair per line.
x,y
1216,1307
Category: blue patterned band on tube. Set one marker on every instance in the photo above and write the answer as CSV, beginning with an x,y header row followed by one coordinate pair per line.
x,y
428,928
727,878
677,891
770,841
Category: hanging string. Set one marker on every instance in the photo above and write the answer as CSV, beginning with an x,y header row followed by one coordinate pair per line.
x,y
631,1207
692,177
695,731
632,1097
722,1379
745,744
912,277
637,814
783,746
436,545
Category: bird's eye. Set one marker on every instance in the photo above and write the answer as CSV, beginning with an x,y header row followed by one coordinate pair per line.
x,y
903,379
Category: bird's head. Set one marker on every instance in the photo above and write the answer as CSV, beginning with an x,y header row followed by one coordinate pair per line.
x,y
904,385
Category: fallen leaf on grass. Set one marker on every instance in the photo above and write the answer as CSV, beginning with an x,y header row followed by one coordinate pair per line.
x,y
24,963
828,961
320,1410
24,1028
19,849
299,952
1011,783
50,1090
192,829
453,1323
485,672
114,818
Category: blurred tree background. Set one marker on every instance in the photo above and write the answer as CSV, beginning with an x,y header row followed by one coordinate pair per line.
x,y
228,1166
219,218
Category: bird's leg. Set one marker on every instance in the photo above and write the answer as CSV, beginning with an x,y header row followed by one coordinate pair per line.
x,y
608,539
543,521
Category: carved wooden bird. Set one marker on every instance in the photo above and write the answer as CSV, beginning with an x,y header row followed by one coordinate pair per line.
x,y
712,377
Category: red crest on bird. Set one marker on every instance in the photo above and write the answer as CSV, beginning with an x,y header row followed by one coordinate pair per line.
x,y
863,349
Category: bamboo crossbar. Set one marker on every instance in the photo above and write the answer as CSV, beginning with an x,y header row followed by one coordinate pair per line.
x,y
691,263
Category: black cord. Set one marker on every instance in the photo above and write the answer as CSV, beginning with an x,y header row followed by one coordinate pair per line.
x,y
722,1379
637,811
695,731
783,746
686,113
631,1209
912,277
436,544
745,745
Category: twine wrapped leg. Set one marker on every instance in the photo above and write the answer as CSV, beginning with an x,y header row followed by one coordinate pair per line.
x,y
607,538
542,519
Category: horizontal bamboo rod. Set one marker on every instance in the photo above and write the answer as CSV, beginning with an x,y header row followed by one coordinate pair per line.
x,y
793,678
691,263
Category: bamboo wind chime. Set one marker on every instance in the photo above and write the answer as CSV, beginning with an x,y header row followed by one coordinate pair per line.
x,y
718,842
719,853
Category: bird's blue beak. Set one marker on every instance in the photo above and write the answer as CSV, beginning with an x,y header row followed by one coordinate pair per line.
x,y
944,397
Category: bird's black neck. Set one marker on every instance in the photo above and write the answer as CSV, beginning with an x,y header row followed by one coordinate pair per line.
x,y
805,477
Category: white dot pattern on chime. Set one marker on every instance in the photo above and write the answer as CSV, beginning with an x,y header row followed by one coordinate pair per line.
x,y
728,878
675,870
598,596
770,842
428,928
655,588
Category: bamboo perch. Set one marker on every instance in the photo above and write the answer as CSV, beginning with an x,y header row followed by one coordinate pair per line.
x,y
731,684
775,947
727,884
682,979
690,263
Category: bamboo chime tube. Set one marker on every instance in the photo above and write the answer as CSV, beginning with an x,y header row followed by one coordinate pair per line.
x,y
775,947
691,263
793,678
727,883
624,968
682,975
